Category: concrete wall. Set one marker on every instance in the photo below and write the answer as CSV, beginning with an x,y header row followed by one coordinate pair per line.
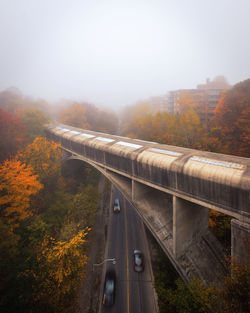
x,y
240,241
190,222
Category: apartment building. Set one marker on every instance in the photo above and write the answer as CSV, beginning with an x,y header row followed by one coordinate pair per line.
x,y
205,97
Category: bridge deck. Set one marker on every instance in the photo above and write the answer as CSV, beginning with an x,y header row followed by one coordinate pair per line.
x,y
219,181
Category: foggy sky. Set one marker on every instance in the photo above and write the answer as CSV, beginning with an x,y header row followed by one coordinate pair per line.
x,y
115,52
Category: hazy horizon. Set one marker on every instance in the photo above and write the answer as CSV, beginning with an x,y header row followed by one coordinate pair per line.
x,y
114,53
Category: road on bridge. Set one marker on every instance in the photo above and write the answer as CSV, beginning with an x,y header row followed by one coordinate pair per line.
x,y
134,291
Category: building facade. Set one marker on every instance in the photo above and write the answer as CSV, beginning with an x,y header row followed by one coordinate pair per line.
x,y
204,98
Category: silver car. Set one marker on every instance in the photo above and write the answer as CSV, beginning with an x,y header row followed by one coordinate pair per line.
x,y
117,207
138,261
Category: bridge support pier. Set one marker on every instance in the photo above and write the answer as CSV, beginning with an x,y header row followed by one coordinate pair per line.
x,y
139,191
240,241
190,221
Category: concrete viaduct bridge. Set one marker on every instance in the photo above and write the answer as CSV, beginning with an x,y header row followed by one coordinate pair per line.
x,y
173,189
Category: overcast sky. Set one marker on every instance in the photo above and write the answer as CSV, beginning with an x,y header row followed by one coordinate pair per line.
x,y
114,52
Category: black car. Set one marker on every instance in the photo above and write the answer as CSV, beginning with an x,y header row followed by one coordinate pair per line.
x,y
109,288
138,261
117,207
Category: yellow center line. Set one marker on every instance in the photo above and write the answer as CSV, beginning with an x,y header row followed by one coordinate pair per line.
x,y
126,235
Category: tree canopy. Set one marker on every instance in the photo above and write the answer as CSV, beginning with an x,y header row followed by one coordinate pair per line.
x,y
87,116
34,121
18,184
13,134
232,118
43,156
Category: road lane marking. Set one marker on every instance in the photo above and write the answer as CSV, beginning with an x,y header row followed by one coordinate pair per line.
x,y
126,239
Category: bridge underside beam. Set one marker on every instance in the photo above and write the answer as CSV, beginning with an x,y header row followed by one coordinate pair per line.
x,y
157,209
240,241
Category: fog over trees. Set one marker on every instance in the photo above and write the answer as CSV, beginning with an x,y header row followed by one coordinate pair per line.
x,y
98,65
47,210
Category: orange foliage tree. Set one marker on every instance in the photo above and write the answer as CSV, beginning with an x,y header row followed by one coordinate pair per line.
x,y
74,115
17,185
232,117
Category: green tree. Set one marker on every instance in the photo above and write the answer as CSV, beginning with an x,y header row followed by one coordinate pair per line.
x,y
235,290
191,298
85,205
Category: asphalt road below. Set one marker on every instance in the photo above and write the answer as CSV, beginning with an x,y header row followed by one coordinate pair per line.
x,y
134,291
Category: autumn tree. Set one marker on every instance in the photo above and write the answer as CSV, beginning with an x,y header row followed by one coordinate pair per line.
x,y
34,121
107,122
102,120
74,115
191,127
191,298
130,113
60,264
11,99
88,116
234,292
64,257
44,157
140,127
13,134
39,273
188,102
180,130
84,205
170,132
232,117
18,184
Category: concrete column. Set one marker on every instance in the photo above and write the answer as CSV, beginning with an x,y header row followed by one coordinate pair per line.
x,y
190,221
240,241
138,190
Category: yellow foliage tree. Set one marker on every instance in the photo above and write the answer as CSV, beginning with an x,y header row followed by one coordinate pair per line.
x,y
17,185
190,123
63,258
187,102
43,156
